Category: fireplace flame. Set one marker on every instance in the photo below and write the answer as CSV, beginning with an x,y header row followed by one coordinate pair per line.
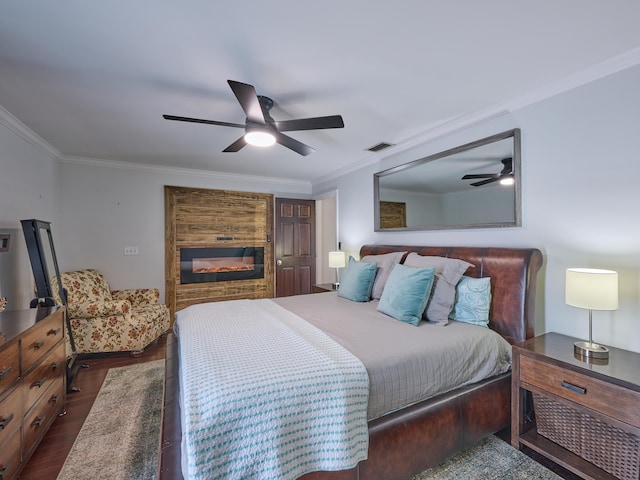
x,y
228,268
220,265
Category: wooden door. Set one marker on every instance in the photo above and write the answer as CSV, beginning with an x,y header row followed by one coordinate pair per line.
x,y
295,244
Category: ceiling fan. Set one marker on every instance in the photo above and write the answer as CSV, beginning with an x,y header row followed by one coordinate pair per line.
x,y
505,174
260,128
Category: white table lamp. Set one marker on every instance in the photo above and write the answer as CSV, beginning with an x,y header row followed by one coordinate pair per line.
x,y
337,260
593,289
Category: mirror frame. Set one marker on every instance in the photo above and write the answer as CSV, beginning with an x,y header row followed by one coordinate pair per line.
x,y
517,221
42,255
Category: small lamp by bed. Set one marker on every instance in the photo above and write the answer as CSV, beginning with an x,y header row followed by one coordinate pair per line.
x,y
337,260
593,289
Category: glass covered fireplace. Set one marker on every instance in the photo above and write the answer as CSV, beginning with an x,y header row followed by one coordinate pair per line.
x,y
221,264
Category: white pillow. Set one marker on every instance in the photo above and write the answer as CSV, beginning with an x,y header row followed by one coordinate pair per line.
x,y
385,263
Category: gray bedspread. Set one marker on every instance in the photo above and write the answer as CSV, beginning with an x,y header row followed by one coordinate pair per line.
x,y
406,364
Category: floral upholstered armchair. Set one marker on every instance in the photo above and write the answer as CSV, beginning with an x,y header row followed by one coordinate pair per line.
x,y
111,321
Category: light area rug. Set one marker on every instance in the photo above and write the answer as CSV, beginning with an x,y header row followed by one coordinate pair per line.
x,y
120,437
489,459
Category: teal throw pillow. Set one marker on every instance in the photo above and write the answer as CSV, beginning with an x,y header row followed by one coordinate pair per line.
x,y
473,300
406,293
357,281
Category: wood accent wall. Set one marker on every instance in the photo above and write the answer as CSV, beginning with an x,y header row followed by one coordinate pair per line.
x,y
196,218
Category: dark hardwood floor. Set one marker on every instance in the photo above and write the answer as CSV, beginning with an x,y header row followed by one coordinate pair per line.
x,y
47,461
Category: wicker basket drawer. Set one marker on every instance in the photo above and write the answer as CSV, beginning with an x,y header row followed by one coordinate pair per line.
x,y
609,448
607,398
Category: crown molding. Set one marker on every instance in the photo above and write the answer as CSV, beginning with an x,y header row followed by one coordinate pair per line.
x,y
24,132
590,74
94,162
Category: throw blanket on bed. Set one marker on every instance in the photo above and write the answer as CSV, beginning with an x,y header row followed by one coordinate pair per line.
x,y
266,395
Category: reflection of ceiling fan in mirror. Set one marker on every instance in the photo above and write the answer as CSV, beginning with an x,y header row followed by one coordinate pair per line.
x,y
260,128
505,176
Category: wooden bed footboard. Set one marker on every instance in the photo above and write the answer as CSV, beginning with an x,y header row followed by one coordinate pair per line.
x,y
406,442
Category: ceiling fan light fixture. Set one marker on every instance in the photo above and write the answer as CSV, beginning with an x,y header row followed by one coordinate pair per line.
x,y
259,138
508,180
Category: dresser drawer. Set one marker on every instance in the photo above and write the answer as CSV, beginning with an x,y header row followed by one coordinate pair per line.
x,y
43,375
10,456
9,366
41,338
10,414
606,398
42,415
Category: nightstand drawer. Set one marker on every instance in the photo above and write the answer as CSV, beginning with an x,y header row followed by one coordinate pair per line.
x,y
606,398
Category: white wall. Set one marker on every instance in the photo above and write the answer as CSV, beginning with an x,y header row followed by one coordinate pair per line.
x,y
28,189
106,208
326,237
420,208
580,194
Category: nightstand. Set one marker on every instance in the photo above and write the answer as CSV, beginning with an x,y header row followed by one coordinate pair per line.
x,y
586,415
323,287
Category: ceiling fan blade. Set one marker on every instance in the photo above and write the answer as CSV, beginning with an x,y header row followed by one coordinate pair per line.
x,y
316,123
236,146
293,144
478,175
248,98
200,120
484,182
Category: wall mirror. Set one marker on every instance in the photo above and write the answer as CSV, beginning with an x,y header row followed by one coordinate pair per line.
x,y
476,185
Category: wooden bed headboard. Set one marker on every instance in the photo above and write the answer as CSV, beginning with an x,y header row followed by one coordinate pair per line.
x,y
513,273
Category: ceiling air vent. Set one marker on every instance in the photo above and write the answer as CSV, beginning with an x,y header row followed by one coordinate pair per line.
x,y
380,146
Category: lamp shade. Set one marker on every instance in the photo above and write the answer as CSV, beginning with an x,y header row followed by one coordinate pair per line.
x,y
337,259
591,288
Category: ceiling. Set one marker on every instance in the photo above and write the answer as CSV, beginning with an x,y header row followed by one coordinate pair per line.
x,y
93,79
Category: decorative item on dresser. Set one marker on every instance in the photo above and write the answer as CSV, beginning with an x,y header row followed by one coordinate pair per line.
x,y
586,413
32,382
4,242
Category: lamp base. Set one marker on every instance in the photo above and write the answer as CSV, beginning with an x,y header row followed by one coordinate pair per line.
x,y
591,350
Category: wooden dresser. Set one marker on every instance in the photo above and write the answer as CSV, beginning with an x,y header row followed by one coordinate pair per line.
x,y
32,382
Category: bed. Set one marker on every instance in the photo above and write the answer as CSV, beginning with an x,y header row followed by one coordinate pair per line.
x,y
405,441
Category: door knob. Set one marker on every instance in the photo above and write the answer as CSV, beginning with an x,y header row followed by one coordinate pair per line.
x,y
278,262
